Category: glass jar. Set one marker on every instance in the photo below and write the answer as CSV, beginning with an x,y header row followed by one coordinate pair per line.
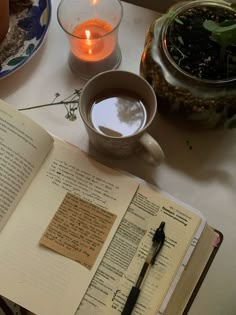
x,y
204,103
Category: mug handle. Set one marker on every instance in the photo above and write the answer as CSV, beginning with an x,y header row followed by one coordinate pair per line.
x,y
153,148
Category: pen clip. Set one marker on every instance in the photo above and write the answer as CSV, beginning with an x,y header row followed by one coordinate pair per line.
x,y
158,241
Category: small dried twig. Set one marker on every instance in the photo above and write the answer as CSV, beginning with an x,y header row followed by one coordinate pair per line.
x,y
71,104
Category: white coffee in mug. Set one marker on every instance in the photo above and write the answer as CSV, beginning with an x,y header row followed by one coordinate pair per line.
x,y
118,113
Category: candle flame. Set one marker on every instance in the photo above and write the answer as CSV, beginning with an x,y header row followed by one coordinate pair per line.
x,y
89,42
87,34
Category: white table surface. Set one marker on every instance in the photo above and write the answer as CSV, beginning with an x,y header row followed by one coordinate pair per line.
x,y
203,177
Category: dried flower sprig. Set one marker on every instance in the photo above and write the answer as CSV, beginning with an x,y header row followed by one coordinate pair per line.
x,y
71,104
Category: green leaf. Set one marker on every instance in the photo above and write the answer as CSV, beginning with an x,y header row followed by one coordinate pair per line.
x,y
210,25
16,61
224,35
177,20
227,23
30,49
226,29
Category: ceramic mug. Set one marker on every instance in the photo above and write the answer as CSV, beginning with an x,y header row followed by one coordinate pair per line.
x,y
117,108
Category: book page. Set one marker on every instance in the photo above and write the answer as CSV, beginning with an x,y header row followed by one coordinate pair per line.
x,y
179,235
147,205
23,147
35,277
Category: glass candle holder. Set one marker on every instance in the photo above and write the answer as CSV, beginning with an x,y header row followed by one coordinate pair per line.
x,y
92,30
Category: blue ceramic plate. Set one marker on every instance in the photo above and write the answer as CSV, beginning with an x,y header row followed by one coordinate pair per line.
x,y
25,36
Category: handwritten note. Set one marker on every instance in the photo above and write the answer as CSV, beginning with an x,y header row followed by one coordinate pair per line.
x,y
78,230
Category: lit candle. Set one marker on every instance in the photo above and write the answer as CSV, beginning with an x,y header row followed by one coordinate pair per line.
x,y
92,29
93,45
92,41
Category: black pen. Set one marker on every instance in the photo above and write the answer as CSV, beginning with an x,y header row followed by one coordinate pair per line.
x,y
157,243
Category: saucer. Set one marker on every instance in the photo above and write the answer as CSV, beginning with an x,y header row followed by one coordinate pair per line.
x,y
26,33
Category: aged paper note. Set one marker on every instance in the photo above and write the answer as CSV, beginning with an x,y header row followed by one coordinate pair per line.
x,y
78,230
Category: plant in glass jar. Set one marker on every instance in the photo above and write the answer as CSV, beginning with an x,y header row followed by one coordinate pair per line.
x,y
190,60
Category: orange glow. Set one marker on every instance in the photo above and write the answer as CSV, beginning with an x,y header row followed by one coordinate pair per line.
x,y
93,40
94,2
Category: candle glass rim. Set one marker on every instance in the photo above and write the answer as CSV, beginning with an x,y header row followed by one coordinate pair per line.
x,y
100,36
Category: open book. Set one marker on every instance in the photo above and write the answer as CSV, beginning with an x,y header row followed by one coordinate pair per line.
x,y
36,174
